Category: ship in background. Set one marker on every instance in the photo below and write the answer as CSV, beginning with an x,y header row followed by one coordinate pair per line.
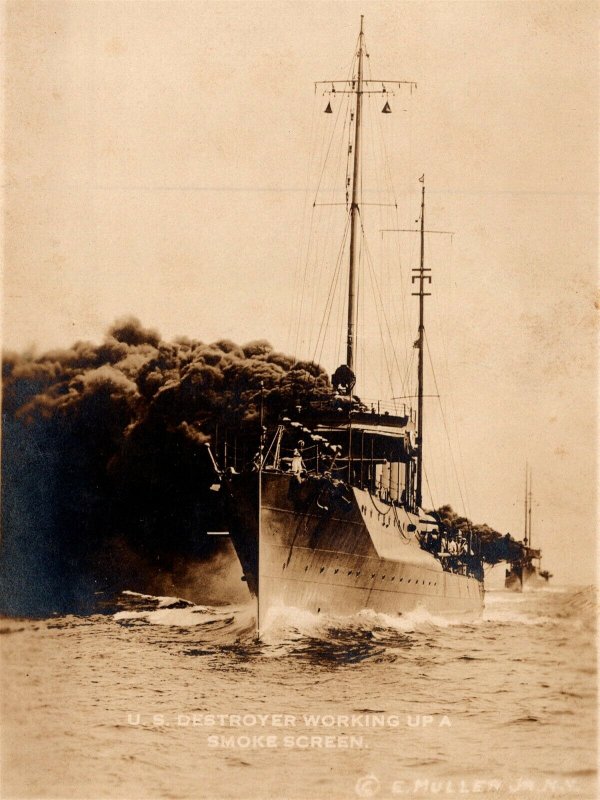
x,y
329,515
523,574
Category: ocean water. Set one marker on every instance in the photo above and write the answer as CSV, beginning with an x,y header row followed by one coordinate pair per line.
x,y
160,698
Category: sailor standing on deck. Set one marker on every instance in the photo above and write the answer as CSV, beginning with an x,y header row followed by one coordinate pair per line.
x,y
297,464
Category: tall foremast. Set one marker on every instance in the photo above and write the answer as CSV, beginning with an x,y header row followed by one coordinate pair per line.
x,y
344,378
354,208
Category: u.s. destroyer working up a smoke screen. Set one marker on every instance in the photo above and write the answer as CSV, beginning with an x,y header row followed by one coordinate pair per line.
x,y
122,428
339,526
244,567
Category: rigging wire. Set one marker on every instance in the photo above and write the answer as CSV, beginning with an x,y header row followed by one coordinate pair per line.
x,y
394,353
383,349
311,253
298,296
318,251
437,391
329,302
328,240
434,505
371,150
313,274
305,253
386,161
450,398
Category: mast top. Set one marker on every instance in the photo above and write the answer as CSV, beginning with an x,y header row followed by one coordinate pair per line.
x,y
354,86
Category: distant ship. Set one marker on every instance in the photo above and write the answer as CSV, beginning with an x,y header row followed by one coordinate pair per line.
x,y
523,573
329,516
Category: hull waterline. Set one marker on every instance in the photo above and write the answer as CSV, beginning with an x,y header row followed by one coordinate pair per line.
x,y
304,548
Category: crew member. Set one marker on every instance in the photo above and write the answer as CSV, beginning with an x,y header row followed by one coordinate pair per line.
x,y
297,463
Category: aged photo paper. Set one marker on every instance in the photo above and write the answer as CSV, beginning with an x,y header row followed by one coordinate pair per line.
x,y
299,431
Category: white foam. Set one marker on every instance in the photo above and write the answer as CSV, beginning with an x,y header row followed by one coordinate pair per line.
x,y
177,617
493,596
160,600
294,623
165,602
507,616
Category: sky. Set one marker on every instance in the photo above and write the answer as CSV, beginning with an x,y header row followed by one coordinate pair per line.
x,y
156,162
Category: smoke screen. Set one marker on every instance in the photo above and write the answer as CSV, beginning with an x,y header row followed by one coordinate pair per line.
x,y
106,479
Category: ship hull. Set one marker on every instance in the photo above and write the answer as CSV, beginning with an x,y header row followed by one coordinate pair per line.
x,y
513,580
312,547
524,578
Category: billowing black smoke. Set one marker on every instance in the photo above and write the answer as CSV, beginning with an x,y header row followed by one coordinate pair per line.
x,y
490,544
106,476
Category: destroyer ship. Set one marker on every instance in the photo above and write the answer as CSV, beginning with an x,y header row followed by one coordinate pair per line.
x,y
328,516
523,574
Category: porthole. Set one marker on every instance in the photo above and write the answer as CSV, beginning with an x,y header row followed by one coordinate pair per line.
x,y
322,569
408,581
335,571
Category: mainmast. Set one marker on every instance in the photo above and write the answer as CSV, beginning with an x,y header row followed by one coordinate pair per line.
x,y
354,209
421,276
526,499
